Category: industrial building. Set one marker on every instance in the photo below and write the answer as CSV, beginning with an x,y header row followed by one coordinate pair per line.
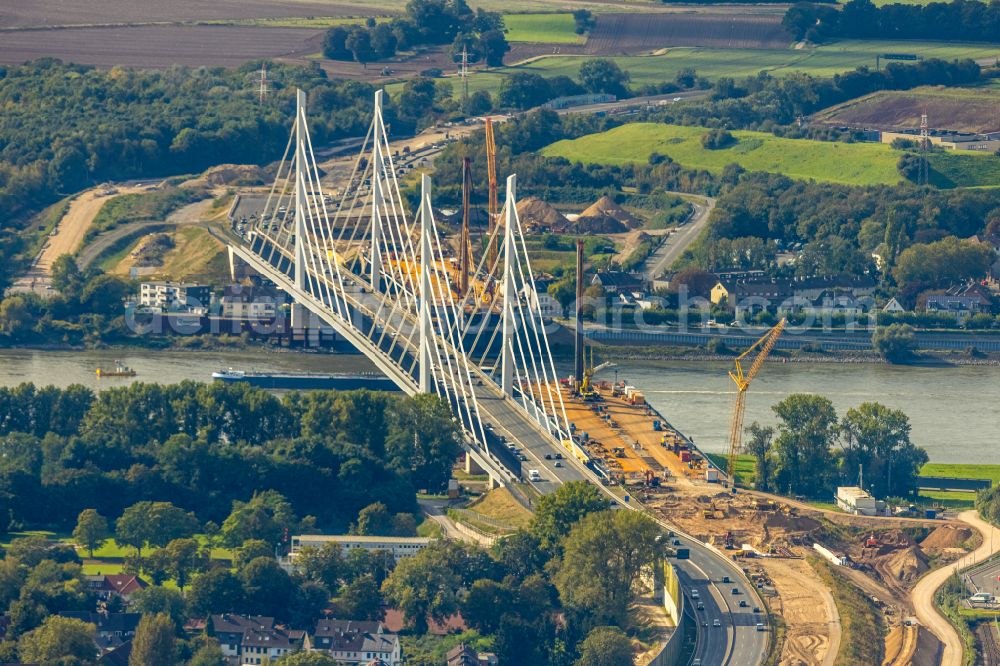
x,y
859,502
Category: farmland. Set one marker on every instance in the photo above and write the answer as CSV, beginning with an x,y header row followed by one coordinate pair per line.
x,y
959,109
824,161
629,34
544,28
159,45
712,63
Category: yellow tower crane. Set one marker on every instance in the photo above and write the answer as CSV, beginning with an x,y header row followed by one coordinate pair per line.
x,y
493,209
742,380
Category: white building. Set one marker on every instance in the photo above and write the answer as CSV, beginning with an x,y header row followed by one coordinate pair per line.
x,y
858,501
356,642
400,547
175,296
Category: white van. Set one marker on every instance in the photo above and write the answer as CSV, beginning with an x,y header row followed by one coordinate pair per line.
x,y
533,475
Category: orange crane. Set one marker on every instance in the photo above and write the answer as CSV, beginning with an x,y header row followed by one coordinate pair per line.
x,y
742,380
493,210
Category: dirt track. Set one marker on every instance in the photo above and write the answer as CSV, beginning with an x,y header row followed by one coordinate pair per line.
x,y
809,612
923,593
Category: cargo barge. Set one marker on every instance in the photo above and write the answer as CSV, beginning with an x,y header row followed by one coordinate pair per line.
x,y
303,381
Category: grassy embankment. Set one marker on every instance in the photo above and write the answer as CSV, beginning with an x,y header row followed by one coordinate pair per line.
x,y
861,622
824,161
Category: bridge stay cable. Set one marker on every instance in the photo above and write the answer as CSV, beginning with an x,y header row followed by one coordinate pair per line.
x,y
382,280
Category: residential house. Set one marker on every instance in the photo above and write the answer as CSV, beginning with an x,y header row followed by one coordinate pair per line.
x,y
106,586
253,639
893,306
252,303
540,300
356,642
463,655
820,294
962,300
175,297
113,629
616,282
119,656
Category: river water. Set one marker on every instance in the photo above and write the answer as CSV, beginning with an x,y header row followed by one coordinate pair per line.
x,y
953,410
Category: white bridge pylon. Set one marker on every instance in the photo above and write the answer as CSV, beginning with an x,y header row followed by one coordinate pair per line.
x,y
385,283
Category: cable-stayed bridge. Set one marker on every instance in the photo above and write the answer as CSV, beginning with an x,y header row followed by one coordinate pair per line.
x,y
389,284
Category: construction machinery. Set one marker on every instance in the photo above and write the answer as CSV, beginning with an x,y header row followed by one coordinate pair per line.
x,y
465,244
493,209
742,380
586,389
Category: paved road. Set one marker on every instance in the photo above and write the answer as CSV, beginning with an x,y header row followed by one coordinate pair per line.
x,y
675,244
923,593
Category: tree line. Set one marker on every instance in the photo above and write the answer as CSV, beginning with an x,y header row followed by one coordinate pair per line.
x,y
798,457
958,20
204,446
425,22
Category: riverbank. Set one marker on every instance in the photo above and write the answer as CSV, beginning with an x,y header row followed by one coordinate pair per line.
x,y
921,359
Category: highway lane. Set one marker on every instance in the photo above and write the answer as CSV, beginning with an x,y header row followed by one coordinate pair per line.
x,y
737,642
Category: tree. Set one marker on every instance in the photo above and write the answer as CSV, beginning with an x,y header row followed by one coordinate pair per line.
x,y
153,523
361,599
523,90
185,557
698,282
218,590
251,550
154,643
359,43
605,646
155,600
758,445
91,530
423,586
209,654
423,440
943,262
15,316
335,43
325,565
384,41
67,278
60,640
804,463
895,343
583,19
877,441
264,517
484,604
493,46
267,587
601,75
557,513
374,520
603,558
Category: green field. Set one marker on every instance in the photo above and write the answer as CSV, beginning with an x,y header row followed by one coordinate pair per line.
x,y
991,472
854,164
825,60
546,28
824,161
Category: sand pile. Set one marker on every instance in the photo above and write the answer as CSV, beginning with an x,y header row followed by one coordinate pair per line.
x,y
791,523
534,212
235,174
907,565
605,208
946,536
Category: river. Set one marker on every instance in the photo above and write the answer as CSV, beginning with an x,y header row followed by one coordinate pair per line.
x,y
953,410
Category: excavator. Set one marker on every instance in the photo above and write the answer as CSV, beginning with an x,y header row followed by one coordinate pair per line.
x,y
742,380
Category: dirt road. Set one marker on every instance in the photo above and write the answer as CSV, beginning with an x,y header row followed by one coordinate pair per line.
x,y
809,612
68,235
923,593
